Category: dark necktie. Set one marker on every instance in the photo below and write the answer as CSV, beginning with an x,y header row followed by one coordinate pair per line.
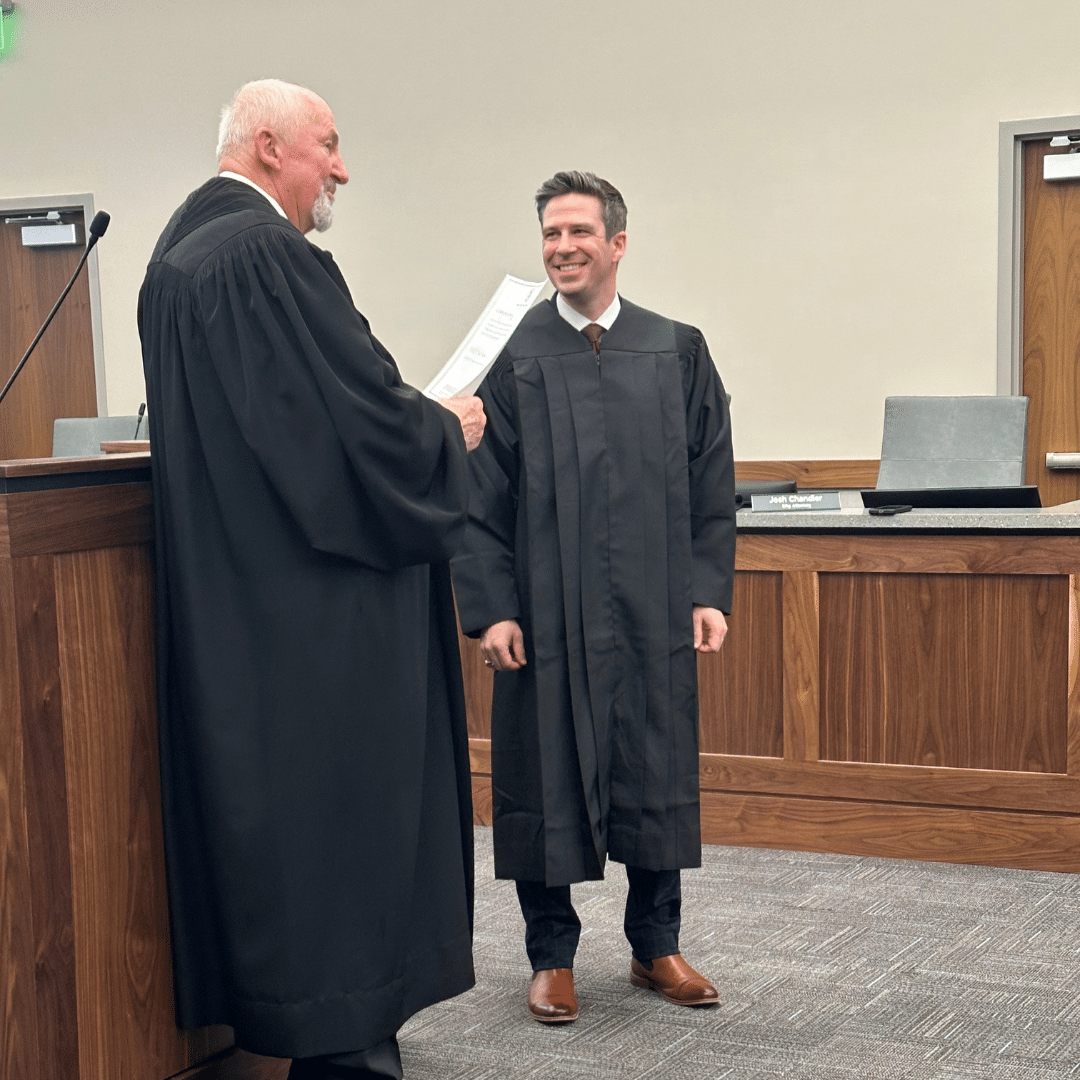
x,y
594,331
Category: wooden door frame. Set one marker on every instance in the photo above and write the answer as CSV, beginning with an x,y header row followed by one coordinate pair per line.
x,y
84,204
1012,134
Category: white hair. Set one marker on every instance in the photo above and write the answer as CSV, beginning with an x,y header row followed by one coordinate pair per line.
x,y
283,107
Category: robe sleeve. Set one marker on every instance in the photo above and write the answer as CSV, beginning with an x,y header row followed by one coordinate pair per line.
x,y
368,467
712,474
483,570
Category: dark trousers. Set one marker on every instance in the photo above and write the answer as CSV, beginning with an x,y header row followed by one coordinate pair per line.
x,y
552,927
375,1063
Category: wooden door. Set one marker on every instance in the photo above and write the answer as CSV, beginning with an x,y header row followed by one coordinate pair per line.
x,y
1050,346
59,379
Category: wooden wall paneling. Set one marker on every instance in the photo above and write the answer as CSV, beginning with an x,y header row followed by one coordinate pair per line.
x,y
480,765
47,818
18,996
899,553
1030,841
854,685
238,1065
838,473
480,756
479,681
1009,668
996,789
1041,743
934,669
59,379
481,797
1051,330
124,973
801,666
1073,752
740,688
78,519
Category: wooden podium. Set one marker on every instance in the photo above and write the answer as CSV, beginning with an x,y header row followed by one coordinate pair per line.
x,y
85,965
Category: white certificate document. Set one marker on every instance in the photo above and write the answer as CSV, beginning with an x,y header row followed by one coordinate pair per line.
x,y
472,359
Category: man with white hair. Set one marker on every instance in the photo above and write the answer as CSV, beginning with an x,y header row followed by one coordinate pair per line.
x,y
312,722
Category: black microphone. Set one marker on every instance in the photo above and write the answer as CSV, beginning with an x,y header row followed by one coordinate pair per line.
x,y
98,226
142,409
97,231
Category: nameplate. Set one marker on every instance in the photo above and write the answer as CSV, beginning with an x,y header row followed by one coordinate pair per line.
x,y
798,500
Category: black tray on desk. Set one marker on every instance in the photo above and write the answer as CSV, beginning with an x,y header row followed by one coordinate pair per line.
x,y
969,498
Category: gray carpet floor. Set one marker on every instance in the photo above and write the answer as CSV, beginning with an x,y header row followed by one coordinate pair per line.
x,y
828,966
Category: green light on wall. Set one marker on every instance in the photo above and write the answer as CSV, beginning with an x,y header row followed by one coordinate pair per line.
x,y
9,29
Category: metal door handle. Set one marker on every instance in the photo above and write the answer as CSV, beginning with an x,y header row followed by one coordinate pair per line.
x,y
1062,461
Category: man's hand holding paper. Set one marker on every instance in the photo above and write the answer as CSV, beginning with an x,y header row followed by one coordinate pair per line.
x,y
470,411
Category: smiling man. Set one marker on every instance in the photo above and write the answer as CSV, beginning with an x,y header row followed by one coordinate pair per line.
x,y
314,760
599,555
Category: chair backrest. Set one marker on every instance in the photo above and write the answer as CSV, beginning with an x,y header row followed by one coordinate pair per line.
x,y
953,442
82,436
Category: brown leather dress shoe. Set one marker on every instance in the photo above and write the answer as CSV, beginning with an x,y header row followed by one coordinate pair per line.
x,y
551,996
673,978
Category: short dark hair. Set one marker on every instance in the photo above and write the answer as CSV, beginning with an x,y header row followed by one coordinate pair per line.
x,y
612,207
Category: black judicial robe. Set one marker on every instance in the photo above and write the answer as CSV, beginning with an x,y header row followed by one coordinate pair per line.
x,y
602,509
314,756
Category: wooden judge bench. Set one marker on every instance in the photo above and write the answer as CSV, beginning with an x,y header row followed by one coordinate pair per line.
x,y
894,689
905,687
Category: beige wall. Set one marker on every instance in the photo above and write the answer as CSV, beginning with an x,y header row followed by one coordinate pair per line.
x,y
814,184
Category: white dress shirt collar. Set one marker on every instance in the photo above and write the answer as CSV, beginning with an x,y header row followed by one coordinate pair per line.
x,y
579,321
251,184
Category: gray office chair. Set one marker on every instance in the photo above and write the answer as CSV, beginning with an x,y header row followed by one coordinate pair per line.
x,y
953,442
82,436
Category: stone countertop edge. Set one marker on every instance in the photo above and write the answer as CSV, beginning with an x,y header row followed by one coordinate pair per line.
x,y
854,517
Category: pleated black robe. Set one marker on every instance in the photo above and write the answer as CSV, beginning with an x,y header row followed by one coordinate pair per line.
x,y
313,746
602,510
